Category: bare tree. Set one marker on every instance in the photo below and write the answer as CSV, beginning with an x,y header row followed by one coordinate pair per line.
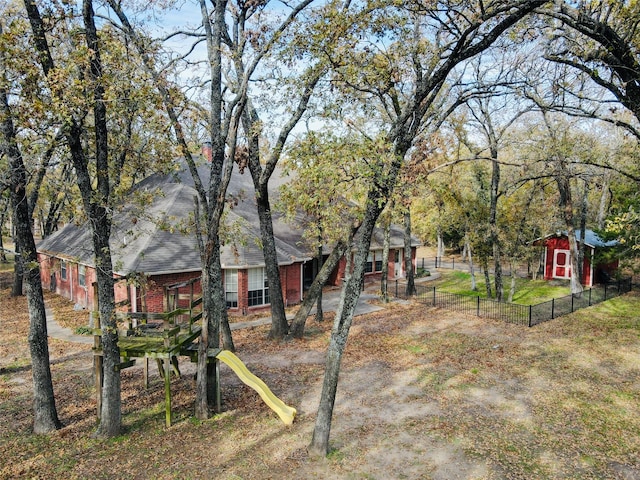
x,y
406,102
45,418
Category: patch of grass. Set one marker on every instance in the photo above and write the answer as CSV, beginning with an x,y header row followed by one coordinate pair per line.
x,y
336,455
83,330
527,291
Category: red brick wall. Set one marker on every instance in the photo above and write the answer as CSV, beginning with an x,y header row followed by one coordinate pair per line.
x,y
243,292
69,287
291,278
155,293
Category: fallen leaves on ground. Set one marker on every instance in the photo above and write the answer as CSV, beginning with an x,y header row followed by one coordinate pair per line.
x,y
423,393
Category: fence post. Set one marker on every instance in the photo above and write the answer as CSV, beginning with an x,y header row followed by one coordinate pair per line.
x,y
434,296
590,290
553,308
530,314
572,297
453,263
478,306
397,289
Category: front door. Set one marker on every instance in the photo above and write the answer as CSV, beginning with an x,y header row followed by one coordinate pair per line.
x,y
397,264
561,264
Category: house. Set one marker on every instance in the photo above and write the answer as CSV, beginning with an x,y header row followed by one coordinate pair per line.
x,y
557,257
154,248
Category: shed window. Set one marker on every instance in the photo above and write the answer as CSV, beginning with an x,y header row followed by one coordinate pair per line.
x,y
63,270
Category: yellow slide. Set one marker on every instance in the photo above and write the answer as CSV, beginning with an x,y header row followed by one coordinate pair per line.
x,y
285,412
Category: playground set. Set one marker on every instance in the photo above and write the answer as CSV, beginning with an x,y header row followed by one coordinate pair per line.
x,y
169,335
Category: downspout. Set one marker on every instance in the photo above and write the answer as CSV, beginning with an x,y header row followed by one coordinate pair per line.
x,y
134,298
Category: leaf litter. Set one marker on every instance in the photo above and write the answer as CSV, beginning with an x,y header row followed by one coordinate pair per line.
x,y
423,393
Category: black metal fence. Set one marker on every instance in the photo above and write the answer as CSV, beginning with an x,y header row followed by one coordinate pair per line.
x,y
528,315
454,263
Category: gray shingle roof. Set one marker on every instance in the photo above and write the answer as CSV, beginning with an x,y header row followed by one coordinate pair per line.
x,y
158,236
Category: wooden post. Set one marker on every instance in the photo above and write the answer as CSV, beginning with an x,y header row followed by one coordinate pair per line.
x,y
145,373
167,390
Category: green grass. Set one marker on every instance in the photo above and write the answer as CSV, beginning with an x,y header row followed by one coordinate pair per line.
x,y
7,267
528,292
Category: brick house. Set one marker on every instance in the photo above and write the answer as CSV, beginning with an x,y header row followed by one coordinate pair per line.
x,y
154,246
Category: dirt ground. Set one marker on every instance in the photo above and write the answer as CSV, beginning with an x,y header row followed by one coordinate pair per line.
x,y
423,394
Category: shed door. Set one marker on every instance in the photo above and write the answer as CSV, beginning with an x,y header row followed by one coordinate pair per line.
x,y
561,264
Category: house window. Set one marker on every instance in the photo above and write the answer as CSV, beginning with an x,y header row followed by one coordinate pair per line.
x,y
82,279
374,262
231,287
258,287
368,268
63,270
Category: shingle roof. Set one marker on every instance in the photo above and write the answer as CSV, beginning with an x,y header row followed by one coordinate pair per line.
x,y
592,239
158,236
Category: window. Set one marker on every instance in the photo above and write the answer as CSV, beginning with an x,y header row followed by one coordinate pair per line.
x,y
231,287
374,262
368,268
63,270
378,261
258,287
82,279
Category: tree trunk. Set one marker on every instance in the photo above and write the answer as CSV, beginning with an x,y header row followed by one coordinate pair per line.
x,y
319,312
296,330
110,415
215,323
344,316
3,216
279,324
386,245
472,270
408,257
512,289
604,196
45,416
18,270
497,273
487,278
566,207
439,244
493,211
583,229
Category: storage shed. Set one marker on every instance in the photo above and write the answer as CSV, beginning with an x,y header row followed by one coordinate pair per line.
x,y
557,257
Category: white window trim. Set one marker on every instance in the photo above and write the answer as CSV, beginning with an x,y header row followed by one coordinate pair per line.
x,y
263,288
